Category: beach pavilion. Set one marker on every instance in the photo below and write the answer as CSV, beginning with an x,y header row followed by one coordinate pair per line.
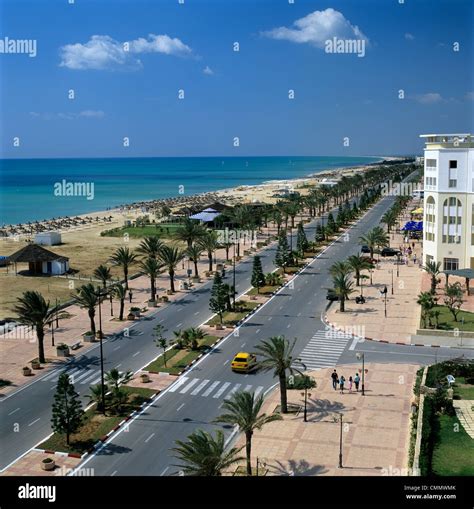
x,y
40,260
208,216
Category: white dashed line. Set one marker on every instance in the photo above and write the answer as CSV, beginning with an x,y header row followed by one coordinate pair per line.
x,y
180,407
36,420
149,438
16,410
136,353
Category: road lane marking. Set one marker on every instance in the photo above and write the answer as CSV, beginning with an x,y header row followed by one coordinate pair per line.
x,y
221,390
180,407
136,353
116,348
354,343
257,331
258,390
243,344
179,324
200,387
94,373
247,388
184,390
178,384
196,313
149,438
118,366
36,420
269,318
16,410
113,473
210,389
165,470
225,362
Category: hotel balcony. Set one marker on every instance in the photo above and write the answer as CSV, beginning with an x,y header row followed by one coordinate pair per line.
x,y
437,141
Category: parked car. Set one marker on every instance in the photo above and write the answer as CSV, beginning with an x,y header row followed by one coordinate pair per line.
x,y
332,295
243,362
365,249
389,251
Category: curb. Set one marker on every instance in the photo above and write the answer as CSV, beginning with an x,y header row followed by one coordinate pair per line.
x,y
339,329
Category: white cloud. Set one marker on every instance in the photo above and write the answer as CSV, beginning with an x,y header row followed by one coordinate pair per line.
x,y
429,98
102,52
409,37
208,70
316,28
68,115
470,96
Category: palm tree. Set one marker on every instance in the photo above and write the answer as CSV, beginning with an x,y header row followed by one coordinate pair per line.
x,y
33,311
342,288
374,238
358,263
115,378
190,231
96,396
277,356
243,410
204,455
427,302
389,218
103,274
123,257
194,253
340,268
171,256
192,336
433,269
277,219
88,297
120,292
209,243
151,267
150,246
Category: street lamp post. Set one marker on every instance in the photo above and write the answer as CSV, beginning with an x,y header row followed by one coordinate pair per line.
x,y
384,293
305,394
111,305
340,441
398,265
101,355
362,356
391,272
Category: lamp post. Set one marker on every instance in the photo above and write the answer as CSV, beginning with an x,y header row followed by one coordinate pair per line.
x,y
340,441
111,305
391,272
99,294
57,314
362,356
398,264
384,293
233,273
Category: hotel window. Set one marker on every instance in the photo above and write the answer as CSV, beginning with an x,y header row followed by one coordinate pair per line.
x,y
452,217
453,173
450,263
431,164
430,218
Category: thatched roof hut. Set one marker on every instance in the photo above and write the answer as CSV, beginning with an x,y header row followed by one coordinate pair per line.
x,y
40,260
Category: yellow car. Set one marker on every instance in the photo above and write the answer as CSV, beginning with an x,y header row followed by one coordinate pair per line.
x,y
243,362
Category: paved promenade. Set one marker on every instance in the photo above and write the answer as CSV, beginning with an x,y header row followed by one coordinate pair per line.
x,y
375,426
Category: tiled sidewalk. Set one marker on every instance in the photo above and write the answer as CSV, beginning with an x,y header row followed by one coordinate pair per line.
x,y
375,426
465,414
403,314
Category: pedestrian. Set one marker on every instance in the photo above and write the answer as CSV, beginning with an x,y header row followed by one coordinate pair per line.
x,y
335,379
356,381
409,251
414,258
350,384
341,383
130,296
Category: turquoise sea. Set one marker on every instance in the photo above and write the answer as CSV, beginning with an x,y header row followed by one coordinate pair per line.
x,y
27,185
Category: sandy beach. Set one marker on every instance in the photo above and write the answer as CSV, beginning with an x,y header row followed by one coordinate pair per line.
x,y
86,248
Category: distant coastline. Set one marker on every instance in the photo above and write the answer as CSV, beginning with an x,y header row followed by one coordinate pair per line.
x,y
27,185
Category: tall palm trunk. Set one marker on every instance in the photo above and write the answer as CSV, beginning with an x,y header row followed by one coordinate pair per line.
x,y
171,274
40,336
209,257
91,313
152,288
342,305
283,395
248,450
196,268
125,276
122,305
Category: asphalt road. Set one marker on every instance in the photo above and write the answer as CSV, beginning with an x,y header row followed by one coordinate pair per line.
x,y
143,447
25,415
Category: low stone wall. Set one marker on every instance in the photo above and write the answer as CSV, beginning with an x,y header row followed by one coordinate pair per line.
x,y
419,428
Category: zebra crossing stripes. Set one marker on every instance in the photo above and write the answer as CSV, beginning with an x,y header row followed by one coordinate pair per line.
x,y
205,389
76,375
324,349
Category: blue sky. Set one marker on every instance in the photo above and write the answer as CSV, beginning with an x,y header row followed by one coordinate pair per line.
x,y
231,94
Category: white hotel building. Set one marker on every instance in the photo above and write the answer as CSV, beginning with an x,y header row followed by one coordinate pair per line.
x,y
449,200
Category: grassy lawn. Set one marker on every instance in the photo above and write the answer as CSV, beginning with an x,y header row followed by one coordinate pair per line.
x,y
463,389
446,320
177,360
164,230
232,317
454,450
265,290
97,425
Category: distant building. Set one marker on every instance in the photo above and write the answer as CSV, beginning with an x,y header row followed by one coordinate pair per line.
x,y
449,200
48,238
420,160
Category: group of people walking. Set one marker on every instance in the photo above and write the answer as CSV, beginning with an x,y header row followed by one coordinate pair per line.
x,y
340,382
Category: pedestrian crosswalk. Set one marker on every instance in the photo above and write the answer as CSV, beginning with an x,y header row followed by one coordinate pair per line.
x,y
79,375
324,349
216,389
